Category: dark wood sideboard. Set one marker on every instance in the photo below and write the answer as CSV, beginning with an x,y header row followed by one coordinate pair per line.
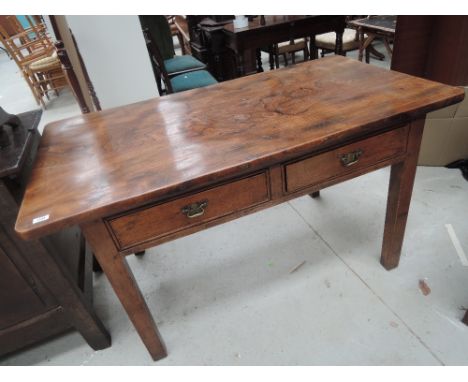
x,y
46,284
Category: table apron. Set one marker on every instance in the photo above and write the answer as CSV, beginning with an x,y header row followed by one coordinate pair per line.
x,y
254,192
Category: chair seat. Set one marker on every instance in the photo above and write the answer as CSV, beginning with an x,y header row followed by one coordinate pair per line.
x,y
287,47
297,41
192,80
328,40
45,63
184,63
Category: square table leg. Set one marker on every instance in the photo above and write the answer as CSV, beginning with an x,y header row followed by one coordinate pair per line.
x,y
465,318
121,278
399,196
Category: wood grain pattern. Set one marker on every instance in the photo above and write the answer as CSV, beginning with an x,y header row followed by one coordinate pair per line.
x,y
99,164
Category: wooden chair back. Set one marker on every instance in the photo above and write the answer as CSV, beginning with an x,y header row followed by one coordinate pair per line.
x,y
10,25
28,45
157,58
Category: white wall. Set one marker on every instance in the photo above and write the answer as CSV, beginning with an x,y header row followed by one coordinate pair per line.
x,y
114,52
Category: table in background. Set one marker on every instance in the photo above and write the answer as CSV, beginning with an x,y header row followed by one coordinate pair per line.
x,y
373,27
232,53
143,174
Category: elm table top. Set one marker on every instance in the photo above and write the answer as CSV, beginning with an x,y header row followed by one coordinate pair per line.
x,y
101,163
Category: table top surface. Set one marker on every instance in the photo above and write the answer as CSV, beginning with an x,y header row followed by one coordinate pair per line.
x,y
270,21
377,23
98,164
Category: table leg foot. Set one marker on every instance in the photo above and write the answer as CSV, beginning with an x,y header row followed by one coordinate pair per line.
x,y
315,194
96,266
121,278
399,196
140,253
465,319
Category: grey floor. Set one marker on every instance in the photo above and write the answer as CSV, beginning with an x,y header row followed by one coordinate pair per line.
x,y
227,296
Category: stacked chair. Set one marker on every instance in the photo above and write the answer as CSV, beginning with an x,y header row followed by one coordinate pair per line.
x,y
33,51
178,73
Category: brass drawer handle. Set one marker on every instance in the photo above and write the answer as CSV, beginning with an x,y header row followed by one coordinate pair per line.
x,y
351,158
195,209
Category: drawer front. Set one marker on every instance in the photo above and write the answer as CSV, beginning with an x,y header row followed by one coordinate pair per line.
x,y
153,222
345,160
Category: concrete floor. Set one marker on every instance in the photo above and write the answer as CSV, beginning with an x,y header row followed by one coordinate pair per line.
x,y
226,296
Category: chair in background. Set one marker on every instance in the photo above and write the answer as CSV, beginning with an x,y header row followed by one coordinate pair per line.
x,y
327,42
175,83
158,30
47,75
183,34
33,52
26,30
287,48
176,32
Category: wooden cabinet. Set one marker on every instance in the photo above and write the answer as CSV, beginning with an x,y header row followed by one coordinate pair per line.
x,y
45,285
19,302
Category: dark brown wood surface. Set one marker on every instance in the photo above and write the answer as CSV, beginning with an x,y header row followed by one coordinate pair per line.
x,y
247,42
270,22
433,47
44,284
99,164
15,142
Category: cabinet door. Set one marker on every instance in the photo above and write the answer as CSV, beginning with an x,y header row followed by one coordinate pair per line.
x,y
18,300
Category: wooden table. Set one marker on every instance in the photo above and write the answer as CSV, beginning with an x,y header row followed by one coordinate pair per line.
x,y
228,45
143,174
373,27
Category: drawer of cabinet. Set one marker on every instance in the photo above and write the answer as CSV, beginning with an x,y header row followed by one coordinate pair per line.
x,y
346,159
156,221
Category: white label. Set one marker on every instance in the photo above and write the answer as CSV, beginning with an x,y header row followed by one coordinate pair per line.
x,y
40,219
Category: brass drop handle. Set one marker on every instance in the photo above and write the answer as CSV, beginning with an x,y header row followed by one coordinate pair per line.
x,y
195,209
351,158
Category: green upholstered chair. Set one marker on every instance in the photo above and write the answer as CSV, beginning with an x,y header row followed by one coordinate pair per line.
x,y
159,32
192,80
180,82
